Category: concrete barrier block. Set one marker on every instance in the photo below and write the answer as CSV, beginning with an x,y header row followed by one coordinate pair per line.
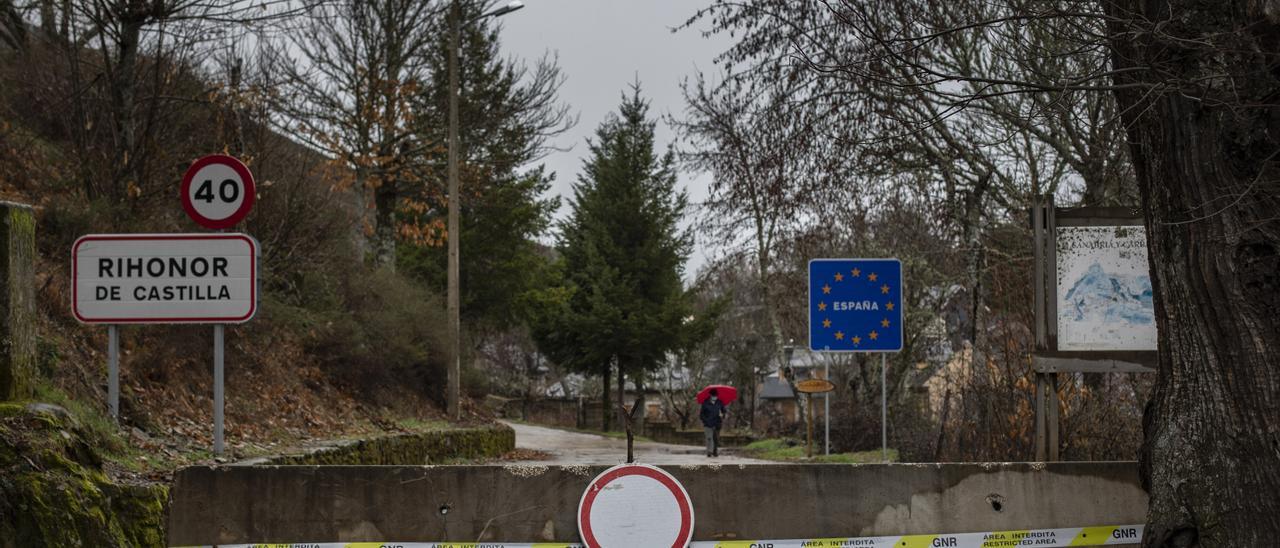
x,y
522,503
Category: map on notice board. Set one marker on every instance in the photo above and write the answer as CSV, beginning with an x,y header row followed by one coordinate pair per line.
x,y
1104,289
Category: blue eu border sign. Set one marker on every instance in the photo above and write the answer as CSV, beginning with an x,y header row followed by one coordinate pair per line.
x,y
855,305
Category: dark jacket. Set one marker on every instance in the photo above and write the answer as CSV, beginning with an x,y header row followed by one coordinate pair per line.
x,y
711,413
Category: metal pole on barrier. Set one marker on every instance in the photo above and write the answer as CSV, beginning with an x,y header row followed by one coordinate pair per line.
x,y
884,410
113,371
217,389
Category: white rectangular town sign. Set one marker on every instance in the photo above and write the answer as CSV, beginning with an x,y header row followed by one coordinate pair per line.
x,y
164,278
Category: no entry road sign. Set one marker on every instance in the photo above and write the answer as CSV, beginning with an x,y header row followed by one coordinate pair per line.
x,y
218,191
635,505
855,305
164,278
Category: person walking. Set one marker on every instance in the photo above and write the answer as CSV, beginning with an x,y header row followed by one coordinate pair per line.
x,y
712,415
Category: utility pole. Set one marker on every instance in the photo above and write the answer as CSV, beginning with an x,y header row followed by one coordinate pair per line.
x,y
455,324
454,395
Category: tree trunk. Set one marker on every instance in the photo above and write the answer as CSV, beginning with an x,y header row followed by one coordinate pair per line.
x,y
605,423
48,22
1207,178
623,419
971,233
384,230
640,407
13,28
939,447
237,112
124,87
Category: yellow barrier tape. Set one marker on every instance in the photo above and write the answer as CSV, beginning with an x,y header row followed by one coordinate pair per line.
x,y
1070,536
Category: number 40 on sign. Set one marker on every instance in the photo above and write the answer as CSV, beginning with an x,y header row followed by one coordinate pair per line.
x,y
218,191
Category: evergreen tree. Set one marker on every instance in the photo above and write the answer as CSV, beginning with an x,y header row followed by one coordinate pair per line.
x,y
507,112
623,255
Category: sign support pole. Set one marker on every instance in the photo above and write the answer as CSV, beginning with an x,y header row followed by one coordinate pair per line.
x,y
808,446
826,411
217,389
884,410
113,371
1041,320
1040,445
1051,416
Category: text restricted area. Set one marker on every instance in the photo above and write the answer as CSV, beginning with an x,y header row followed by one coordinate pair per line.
x,y
1069,536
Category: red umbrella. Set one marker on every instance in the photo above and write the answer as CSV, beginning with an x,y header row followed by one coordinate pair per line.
x,y
726,393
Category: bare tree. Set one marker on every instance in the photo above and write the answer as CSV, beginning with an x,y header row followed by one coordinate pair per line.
x,y
122,58
1195,91
13,25
970,162
349,91
768,161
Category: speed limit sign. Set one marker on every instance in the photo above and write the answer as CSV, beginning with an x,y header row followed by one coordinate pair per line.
x,y
217,191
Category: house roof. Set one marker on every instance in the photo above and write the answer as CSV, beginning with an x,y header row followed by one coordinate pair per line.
x,y
775,389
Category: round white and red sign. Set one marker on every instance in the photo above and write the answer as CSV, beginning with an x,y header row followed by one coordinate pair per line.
x,y
635,505
218,191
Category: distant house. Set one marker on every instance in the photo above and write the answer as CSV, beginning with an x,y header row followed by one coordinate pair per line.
x,y
776,395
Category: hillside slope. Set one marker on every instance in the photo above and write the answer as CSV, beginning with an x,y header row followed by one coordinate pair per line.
x,y
337,349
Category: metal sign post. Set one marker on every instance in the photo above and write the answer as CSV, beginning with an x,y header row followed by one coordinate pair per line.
x,y
855,305
884,409
217,388
826,410
113,371
217,192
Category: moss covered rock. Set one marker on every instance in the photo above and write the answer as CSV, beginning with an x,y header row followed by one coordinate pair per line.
x,y
53,491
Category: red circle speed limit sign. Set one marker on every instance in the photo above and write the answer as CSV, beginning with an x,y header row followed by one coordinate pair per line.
x,y
635,505
217,191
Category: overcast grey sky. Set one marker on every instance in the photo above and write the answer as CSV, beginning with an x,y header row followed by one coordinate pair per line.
x,y
603,46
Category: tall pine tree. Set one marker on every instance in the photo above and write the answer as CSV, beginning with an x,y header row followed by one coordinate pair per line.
x,y
507,114
623,255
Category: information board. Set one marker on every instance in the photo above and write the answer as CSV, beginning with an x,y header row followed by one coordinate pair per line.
x,y
1104,297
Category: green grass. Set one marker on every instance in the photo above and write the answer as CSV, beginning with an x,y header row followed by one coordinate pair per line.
x,y
793,450
99,429
109,439
419,425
